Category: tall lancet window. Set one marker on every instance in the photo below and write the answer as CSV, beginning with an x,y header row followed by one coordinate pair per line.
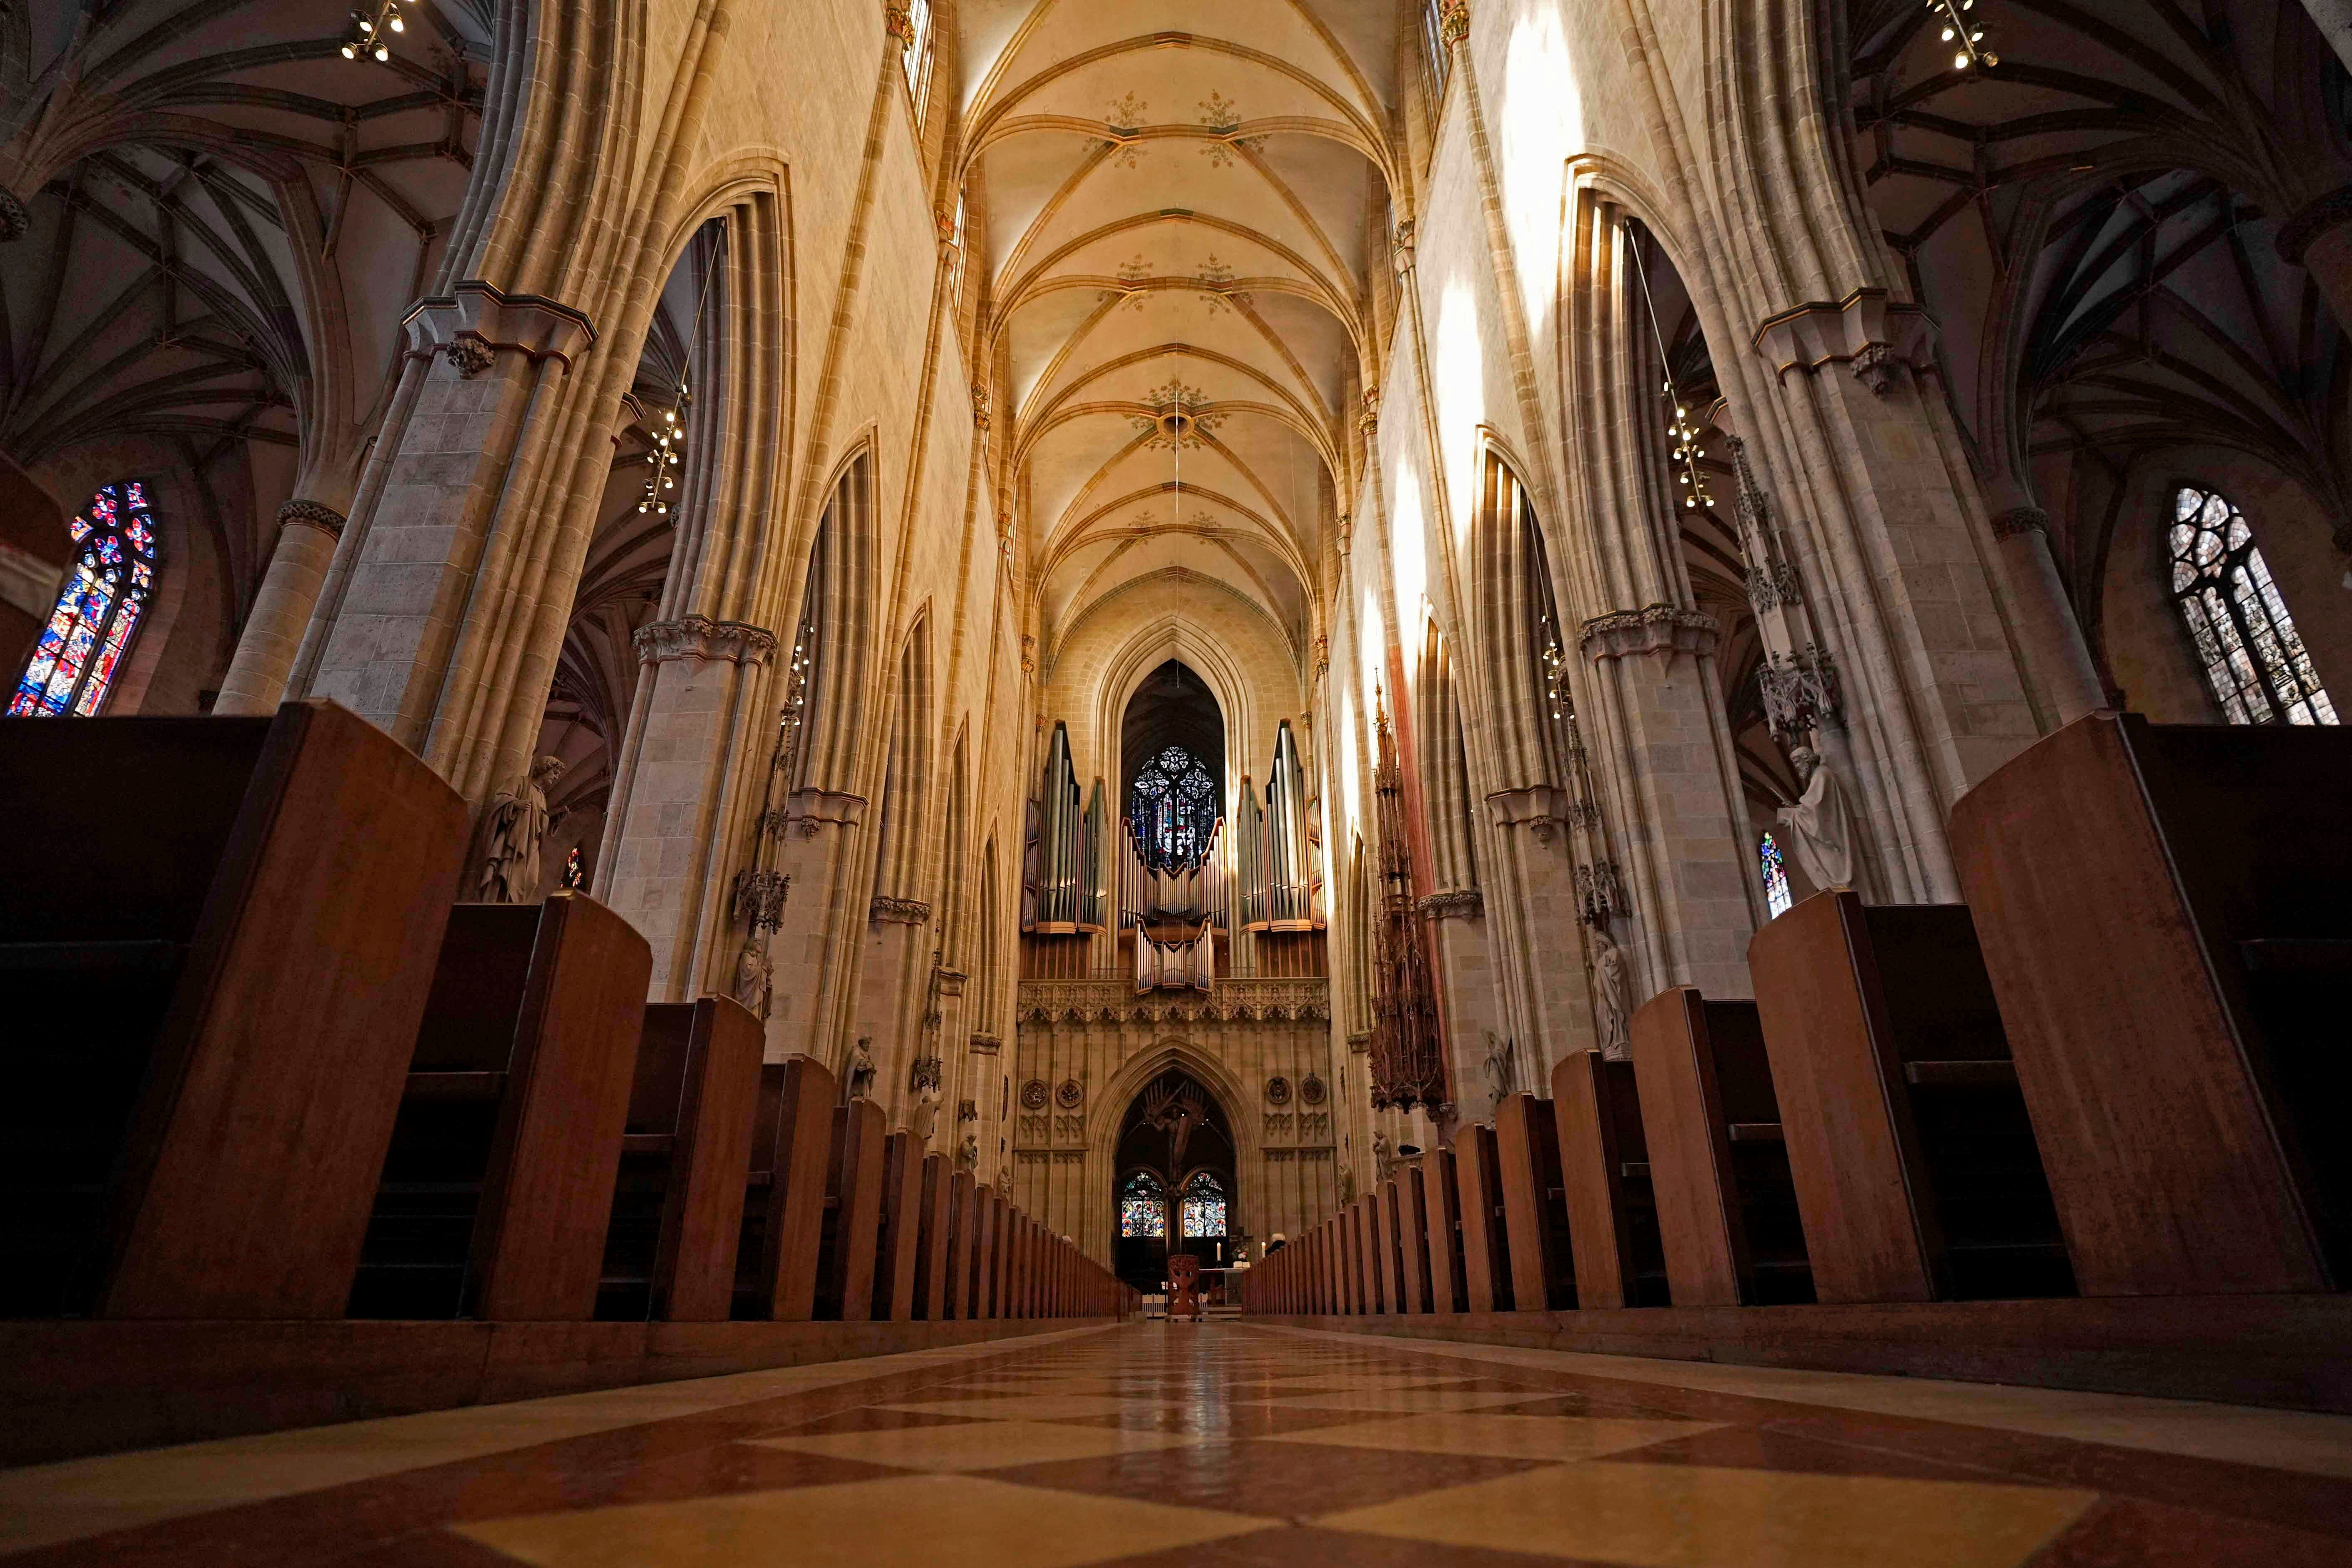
x,y
2255,661
1172,807
74,663
1204,1206
1777,897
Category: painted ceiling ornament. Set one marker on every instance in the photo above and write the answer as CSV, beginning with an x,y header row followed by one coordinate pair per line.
x,y
1181,415
1277,1092
1034,1095
1070,1095
1122,121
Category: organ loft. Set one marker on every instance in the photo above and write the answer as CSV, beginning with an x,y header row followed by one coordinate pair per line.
x,y
1040,783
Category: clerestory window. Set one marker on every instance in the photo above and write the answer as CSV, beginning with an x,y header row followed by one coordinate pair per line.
x,y
81,649
2253,658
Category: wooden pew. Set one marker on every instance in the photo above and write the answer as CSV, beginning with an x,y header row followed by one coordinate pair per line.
x,y
2164,918
955,1279
1376,1272
678,1204
1448,1288
987,1208
777,1260
1412,1235
1535,1215
1351,1262
853,1220
932,1274
1718,1164
1908,1140
1384,1246
184,1148
1486,1254
497,1189
898,1237
1604,1167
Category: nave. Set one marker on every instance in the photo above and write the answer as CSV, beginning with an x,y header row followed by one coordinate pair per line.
x,y
1169,1444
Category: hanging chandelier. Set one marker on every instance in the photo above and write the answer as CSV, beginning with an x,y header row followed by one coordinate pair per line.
x,y
1966,40
1679,428
366,33
669,440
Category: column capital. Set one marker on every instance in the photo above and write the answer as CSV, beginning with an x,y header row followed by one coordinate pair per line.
x,y
904,911
1452,904
1653,628
2020,519
694,636
1870,332
311,514
476,321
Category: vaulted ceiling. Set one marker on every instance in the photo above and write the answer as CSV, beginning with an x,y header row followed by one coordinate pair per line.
x,y
1175,204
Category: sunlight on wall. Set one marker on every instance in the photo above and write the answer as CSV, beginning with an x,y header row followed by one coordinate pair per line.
x,y
1371,645
1459,366
1542,119
1408,537
1351,787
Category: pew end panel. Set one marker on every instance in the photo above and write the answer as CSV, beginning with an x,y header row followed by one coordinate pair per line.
x,y
194,1154
1535,1216
1486,1252
2163,917
1612,1215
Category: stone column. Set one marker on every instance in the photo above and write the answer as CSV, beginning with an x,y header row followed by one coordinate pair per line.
x,y
2044,617
308,531
662,870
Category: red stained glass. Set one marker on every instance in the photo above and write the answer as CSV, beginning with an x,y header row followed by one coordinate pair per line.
x,y
74,663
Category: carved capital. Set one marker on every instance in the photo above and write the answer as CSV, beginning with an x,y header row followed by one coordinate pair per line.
x,y
1541,809
1370,419
2020,519
1452,904
979,416
986,1044
1653,628
2295,235
692,636
476,321
1873,334
311,514
1400,247
899,25
902,911
814,810
1453,22
1361,1042
14,219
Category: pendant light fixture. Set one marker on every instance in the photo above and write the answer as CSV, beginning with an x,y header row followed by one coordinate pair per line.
x,y
1679,428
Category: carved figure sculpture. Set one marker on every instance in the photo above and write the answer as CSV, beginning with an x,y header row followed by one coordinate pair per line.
x,y
926,1115
1175,1111
968,1152
860,1076
511,831
1502,1071
1613,996
1183,1287
1820,826
755,976
1383,1156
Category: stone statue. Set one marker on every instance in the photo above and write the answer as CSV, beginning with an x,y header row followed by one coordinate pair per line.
x,y
1346,1183
1502,1071
1820,826
1613,996
511,831
968,1152
1381,1157
755,976
861,1068
925,1117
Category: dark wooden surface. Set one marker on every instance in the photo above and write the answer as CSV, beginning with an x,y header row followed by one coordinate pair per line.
x,y
955,1264
1444,1228
1688,1137
1412,1236
1527,1165
312,911
1598,1117
702,1216
800,1158
1853,1152
846,1286
2114,867
1485,1254
539,1241
899,1239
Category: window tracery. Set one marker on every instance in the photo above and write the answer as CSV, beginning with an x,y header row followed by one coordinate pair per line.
x,y
1172,810
1143,1207
1203,1207
81,648
2254,657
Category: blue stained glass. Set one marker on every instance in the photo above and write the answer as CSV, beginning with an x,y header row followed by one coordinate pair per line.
x,y
1776,878
1203,1207
81,648
1143,1207
1171,810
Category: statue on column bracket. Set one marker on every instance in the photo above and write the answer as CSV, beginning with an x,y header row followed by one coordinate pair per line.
x,y
1820,826
1382,1158
860,1080
925,1117
968,1152
511,831
1502,1071
755,977
1612,996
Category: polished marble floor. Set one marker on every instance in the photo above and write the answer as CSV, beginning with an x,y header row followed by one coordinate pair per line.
x,y
1222,1446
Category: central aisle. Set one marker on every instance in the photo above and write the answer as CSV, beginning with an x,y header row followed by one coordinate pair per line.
x,y
1221,1445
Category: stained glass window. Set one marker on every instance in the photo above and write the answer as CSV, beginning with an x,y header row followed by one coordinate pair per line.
x,y
1173,810
1776,878
916,53
1143,1207
1204,1206
575,875
113,576
2255,661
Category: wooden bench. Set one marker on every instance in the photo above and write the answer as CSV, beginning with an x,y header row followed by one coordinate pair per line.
x,y
678,1204
1727,1206
2164,916
946,1289
1486,1252
1411,1211
1604,1166
851,1241
1535,1211
1448,1289
779,1252
196,905
497,1189
1913,1156
898,1236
